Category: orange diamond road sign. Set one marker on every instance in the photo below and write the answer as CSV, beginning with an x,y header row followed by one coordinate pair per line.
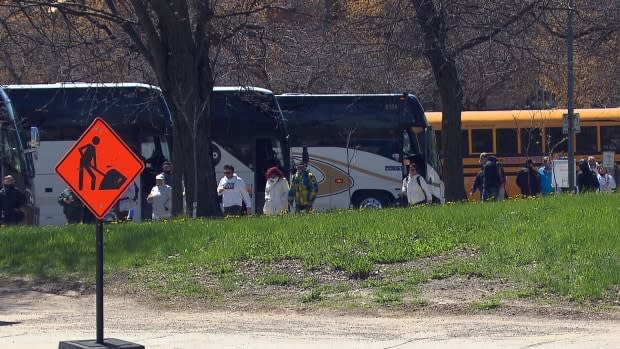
x,y
99,167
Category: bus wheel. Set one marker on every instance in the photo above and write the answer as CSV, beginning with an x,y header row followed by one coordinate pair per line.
x,y
371,199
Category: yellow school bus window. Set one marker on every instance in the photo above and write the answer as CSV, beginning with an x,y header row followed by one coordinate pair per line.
x,y
506,139
438,140
586,140
555,140
531,141
610,138
481,140
465,142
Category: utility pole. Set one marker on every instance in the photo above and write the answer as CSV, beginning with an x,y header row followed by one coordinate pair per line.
x,y
571,99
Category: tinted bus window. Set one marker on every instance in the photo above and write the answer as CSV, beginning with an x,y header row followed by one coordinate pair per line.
x,y
506,139
48,109
531,141
554,137
586,140
438,138
610,137
464,142
481,140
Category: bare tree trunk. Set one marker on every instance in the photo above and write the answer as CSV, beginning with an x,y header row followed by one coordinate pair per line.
x,y
191,155
450,90
178,174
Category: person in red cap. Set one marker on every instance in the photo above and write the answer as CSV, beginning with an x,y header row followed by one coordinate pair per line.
x,y
276,192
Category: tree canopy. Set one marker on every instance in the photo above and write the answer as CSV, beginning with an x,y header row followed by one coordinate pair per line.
x,y
454,55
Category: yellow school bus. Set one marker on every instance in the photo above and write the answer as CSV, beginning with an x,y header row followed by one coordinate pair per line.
x,y
516,135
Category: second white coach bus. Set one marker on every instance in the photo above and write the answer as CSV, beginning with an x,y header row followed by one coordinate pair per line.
x,y
359,146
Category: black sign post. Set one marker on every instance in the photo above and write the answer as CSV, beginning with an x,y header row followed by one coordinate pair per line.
x,y
99,144
99,281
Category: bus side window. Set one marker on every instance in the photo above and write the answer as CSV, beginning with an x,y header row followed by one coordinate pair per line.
x,y
481,140
610,137
506,141
555,140
464,142
438,138
406,142
586,140
531,141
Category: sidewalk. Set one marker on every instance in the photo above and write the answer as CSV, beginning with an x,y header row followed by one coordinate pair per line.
x,y
43,320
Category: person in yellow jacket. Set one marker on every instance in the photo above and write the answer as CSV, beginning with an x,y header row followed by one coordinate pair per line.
x,y
304,188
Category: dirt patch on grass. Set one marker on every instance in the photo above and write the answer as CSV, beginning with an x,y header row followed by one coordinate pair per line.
x,y
409,287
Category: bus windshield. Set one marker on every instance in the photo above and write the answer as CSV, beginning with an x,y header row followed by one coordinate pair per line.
x,y
15,158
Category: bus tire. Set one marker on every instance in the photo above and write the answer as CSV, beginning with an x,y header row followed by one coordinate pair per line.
x,y
371,199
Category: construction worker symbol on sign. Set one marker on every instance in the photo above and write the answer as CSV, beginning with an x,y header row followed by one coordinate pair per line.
x,y
99,167
112,179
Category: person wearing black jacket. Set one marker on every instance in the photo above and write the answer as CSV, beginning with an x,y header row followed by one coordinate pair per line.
x,y
528,180
586,178
11,201
491,177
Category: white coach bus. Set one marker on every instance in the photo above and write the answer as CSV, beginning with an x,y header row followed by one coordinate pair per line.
x,y
359,146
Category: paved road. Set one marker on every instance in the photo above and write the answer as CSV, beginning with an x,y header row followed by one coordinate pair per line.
x,y
42,320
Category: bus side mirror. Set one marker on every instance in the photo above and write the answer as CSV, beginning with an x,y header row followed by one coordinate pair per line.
x,y
34,138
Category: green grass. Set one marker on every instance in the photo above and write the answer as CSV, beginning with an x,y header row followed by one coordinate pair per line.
x,y
278,280
566,246
486,304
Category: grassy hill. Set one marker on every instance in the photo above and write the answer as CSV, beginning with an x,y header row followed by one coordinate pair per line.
x,y
563,249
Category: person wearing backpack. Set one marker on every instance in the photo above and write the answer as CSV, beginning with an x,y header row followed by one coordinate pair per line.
x,y
491,177
415,188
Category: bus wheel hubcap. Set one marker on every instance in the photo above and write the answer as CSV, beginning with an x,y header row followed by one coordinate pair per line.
x,y
371,203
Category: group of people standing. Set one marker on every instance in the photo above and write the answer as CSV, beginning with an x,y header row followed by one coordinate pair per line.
x,y
125,209
532,182
76,212
594,177
303,189
591,176
279,195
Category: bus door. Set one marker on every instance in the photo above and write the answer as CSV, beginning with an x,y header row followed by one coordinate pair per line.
x,y
413,149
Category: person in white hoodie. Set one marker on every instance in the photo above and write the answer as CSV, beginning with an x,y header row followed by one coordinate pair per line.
x,y
607,183
416,188
161,198
233,191
276,192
